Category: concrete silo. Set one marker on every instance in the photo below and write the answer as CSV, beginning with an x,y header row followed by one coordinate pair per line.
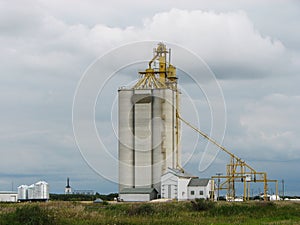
x,y
148,126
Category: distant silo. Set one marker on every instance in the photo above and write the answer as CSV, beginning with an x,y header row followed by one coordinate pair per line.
x,y
31,192
41,190
148,126
22,193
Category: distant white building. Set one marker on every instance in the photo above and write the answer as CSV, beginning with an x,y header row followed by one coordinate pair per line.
x,y
34,192
179,185
83,192
8,196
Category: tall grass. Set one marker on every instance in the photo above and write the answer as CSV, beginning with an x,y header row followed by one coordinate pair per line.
x,y
28,215
195,212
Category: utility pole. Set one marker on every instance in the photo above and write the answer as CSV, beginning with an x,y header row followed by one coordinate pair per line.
x,y
219,174
282,189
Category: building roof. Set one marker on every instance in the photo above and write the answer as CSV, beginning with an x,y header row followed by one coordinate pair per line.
x,y
180,173
41,183
98,200
138,191
196,182
8,192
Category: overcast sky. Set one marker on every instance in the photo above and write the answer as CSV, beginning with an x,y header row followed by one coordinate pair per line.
x,y
251,47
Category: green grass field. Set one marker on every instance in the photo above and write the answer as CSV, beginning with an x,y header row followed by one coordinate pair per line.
x,y
199,212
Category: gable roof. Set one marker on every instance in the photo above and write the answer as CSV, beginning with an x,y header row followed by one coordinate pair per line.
x,y
98,200
138,191
179,173
196,182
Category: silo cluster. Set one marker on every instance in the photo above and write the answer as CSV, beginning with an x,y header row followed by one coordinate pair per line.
x,y
34,192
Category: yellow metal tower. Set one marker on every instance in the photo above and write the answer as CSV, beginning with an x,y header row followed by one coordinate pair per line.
x,y
162,77
237,171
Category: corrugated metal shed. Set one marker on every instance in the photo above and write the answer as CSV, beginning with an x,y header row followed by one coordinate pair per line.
x,y
138,194
7,196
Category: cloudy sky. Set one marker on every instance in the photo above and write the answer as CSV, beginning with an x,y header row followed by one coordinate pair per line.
x,y
251,47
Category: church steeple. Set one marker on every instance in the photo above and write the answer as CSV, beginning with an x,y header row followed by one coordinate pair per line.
x,y
68,183
68,189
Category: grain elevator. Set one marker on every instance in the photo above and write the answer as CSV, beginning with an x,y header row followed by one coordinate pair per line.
x,y
149,130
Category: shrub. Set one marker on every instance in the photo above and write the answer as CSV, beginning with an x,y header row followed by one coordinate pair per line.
x,y
266,204
141,209
202,205
105,203
28,215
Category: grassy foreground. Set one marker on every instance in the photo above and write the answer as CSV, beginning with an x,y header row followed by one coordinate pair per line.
x,y
197,212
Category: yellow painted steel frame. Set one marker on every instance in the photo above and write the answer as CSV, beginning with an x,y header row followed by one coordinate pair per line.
x,y
237,171
162,77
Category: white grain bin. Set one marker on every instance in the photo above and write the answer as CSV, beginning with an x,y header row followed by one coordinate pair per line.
x,y
41,190
22,193
31,192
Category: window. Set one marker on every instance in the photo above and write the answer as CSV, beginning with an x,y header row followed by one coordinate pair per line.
x,y
192,192
200,192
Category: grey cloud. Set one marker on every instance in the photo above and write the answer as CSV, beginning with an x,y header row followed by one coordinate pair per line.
x,y
46,47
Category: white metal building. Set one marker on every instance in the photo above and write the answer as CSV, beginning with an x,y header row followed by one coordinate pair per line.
x,y
7,196
176,184
200,188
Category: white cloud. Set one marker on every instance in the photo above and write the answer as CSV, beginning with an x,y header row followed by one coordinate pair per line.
x,y
224,40
271,126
